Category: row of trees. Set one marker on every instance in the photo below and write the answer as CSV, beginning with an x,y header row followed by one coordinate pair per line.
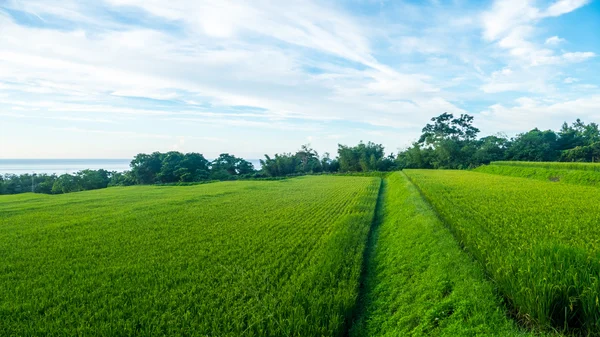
x,y
360,158
173,167
452,143
155,168
177,167
448,142
55,184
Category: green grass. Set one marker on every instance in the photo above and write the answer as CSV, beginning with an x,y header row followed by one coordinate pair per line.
x,y
540,242
419,282
553,165
550,173
270,258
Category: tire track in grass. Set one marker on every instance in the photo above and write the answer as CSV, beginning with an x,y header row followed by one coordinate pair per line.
x,y
417,281
359,310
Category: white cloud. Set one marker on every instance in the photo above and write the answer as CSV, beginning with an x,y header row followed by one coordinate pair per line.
x,y
578,56
528,113
523,80
270,69
507,15
561,7
511,24
554,40
570,80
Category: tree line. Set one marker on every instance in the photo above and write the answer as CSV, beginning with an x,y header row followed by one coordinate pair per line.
x,y
451,143
179,168
448,142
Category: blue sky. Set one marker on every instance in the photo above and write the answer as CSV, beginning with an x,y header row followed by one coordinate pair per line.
x,y
112,78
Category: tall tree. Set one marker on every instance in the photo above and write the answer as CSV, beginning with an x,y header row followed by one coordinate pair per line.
x,y
226,166
145,167
309,159
360,158
446,127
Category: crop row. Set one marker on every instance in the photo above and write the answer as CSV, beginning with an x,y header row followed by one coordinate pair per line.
x,y
419,282
229,259
553,165
558,175
540,242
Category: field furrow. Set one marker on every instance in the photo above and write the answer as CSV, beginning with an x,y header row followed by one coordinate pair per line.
x,y
542,249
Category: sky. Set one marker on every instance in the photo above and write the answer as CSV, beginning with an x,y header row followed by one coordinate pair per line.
x,y
113,78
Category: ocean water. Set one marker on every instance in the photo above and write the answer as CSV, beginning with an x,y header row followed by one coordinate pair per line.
x,y
61,166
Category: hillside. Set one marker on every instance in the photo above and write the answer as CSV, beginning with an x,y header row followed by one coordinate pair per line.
x,y
570,173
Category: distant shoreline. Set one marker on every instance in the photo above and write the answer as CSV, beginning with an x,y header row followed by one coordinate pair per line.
x,y
69,165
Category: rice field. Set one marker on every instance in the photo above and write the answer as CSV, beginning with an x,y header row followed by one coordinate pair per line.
x,y
538,241
569,173
419,281
269,258
413,253
552,165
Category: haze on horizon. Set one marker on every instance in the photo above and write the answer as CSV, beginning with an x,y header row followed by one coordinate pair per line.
x,y
113,78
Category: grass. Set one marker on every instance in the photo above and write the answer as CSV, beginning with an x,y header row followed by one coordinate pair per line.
x,y
538,241
419,282
553,165
552,173
269,258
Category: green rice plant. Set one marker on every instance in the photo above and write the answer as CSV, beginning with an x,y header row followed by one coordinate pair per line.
x,y
559,175
538,241
419,282
245,258
553,165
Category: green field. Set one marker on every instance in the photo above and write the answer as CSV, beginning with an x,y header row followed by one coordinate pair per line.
x,y
226,259
413,253
552,165
419,282
569,173
538,241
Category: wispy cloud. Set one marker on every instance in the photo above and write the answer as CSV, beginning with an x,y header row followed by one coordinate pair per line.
x,y
511,24
554,40
264,74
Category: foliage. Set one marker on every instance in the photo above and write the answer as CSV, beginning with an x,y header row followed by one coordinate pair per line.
x,y
450,143
534,145
304,161
537,240
227,165
67,183
585,153
578,134
53,184
281,165
122,179
13,184
328,164
419,282
446,127
447,143
245,258
169,167
363,158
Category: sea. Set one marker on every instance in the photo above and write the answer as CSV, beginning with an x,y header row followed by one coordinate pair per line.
x,y
62,166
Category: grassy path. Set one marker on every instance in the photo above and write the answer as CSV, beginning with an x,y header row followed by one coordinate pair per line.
x,y
418,281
